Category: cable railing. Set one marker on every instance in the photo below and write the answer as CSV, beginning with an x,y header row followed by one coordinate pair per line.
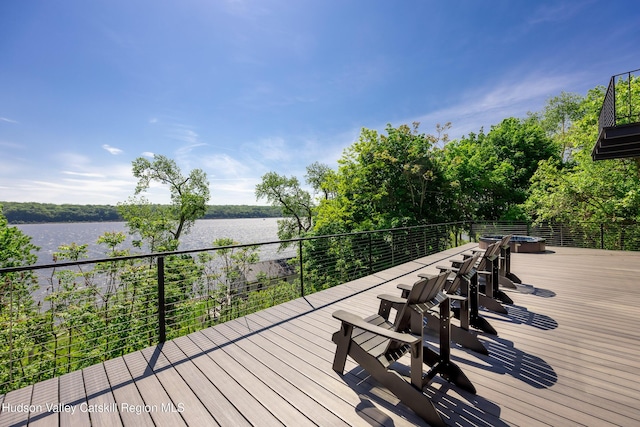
x,y
65,316
595,235
68,315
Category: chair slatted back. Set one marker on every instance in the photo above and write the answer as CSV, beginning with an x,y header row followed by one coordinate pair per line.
x,y
423,291
465,269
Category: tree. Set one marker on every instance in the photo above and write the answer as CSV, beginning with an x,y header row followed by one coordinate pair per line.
x,y
295,202
19,326
581,190
385,181
322,178
16,250
490,172
163,225
559,114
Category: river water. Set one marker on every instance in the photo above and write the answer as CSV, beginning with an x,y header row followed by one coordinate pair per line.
x,y
50,236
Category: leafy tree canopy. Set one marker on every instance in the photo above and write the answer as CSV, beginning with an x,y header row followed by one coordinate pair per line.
x,y
162,226
489,173
296,204
385,181
580,189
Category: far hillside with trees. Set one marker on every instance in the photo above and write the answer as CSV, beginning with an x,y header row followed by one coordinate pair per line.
x,y
33,213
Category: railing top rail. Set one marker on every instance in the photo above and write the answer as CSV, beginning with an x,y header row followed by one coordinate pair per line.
x,y
207,249
625,73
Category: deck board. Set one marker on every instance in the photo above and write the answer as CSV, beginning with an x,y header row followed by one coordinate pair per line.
x,y
566,354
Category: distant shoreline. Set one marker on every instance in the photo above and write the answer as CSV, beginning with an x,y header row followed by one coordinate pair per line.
x,y
46,213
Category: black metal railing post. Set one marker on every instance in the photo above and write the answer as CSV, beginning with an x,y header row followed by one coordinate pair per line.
x,y
370,253
162,321
301,268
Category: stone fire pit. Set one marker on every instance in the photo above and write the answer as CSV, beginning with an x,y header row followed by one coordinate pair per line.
x,y
518,244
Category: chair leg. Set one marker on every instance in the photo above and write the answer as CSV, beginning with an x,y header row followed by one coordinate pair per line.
x,y
410,395
458,335
506,282
513,277
501,296
342,338
443,364
491,304
482,324
467,340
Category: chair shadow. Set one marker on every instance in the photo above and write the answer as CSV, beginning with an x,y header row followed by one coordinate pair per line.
x,y
505,359
457,407
522,315
523,288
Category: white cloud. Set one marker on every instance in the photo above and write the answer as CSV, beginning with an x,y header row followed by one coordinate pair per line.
x,y
12,145
7,120
148,154
85,174
223,166
491,104
113,150
273,149
561,11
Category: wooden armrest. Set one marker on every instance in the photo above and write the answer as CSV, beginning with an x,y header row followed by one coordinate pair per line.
x,y
392,299
405,287
443,268
425,276
359,322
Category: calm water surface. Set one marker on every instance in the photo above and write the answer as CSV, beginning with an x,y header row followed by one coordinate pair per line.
x,y
49,236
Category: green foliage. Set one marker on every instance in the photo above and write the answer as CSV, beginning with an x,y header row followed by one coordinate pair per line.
x,y
580,190
19,326
322,179
489,174
296,203
162,226
20,213
385,181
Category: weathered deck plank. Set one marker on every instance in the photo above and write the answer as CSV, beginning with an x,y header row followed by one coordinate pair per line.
x,y
566,353
72,392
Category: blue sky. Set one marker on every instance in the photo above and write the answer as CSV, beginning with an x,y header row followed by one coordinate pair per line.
x,y
240,88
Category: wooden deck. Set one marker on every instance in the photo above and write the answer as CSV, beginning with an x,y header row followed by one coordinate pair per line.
x,y
567,354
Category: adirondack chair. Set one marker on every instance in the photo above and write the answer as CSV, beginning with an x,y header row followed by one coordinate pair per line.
x,y
505,277
459,334
432,320
487,267
375,343
465,283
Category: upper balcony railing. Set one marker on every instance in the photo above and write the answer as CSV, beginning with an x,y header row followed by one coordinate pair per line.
x,y
619,120
621,103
